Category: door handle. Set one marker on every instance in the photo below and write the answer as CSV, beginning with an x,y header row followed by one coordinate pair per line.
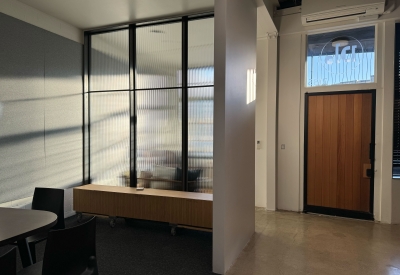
x,y
367,171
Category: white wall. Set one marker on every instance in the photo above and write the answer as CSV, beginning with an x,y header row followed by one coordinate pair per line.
x,y
234,131
261,122
288,122
272,121
41,117
384,127
26,203
39,19
266,108
292,51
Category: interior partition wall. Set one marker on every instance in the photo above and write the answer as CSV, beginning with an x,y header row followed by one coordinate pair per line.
x,y
40,112
148,105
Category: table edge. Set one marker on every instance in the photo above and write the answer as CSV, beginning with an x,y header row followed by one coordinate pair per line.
x,y
29,233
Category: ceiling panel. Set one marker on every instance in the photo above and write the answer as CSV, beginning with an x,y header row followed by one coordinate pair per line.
x,y
89,14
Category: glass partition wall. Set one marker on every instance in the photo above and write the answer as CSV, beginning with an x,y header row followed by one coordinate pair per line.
x,y
149,105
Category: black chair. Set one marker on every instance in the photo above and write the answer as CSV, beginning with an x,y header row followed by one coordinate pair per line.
x,y
8,260
47,199
68,252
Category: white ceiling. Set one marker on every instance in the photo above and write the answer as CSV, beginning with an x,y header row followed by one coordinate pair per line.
x,y
92,14
89,14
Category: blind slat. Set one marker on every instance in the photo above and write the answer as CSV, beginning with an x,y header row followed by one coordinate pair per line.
x,y
396,114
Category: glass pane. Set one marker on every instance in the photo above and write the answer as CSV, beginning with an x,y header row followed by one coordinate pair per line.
x,y
109,137
201,52
200,153
110,61
396,106
342,57
86,135
159,56
159,139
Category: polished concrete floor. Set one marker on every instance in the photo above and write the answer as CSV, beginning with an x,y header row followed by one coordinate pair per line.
x,y
296,244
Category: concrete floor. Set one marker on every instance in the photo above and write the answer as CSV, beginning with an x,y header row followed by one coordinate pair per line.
x,y
295,244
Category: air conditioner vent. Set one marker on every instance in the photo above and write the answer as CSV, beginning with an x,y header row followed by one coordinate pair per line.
x,y
332,11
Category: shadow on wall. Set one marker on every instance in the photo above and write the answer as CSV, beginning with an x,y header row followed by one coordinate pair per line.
x,y
40,110
36,149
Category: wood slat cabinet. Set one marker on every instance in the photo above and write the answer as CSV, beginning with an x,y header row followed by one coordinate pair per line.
x,y
175,207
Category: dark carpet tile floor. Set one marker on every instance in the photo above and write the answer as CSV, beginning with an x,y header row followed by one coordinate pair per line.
x,y
141,247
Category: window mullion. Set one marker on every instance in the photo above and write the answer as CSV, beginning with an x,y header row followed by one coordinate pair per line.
x,y
185,102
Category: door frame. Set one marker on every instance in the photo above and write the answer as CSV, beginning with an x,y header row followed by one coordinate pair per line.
x,y
335,211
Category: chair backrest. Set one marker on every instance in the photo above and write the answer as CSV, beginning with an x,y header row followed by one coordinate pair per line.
x,y
8,260
68,251
50,199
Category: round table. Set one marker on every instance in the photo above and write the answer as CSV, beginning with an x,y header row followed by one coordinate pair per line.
x,y
17,224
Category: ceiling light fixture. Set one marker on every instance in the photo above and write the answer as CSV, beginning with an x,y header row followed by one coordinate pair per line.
x,y
341,41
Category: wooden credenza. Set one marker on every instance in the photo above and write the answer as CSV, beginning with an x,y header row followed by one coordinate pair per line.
x,y
174,207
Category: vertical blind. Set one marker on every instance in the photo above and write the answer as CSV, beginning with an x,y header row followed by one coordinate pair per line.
x,y
396,116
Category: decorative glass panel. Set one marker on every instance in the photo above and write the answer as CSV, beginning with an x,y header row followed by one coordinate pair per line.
x,y
159,139
200,151
159,56
109,137
396,106
110,61
201,52
342,57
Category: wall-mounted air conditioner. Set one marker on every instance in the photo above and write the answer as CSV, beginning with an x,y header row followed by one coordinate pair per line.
x,y
326,11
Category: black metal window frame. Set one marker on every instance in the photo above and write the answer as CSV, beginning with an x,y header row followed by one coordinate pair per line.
x,y
396,107
184,20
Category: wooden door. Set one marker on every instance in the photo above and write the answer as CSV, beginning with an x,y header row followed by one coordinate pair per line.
x,y
338,139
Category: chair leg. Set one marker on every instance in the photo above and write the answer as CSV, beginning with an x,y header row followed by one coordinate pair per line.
x,y
33,252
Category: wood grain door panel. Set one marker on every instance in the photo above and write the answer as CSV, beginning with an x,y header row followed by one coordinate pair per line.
x,y
338,142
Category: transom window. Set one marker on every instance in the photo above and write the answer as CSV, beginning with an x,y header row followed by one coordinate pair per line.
x,y
341,57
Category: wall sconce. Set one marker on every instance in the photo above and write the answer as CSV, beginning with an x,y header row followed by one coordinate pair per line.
x,y
251,85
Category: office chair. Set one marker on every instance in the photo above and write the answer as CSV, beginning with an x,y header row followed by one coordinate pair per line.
x,y
47,199
8,260
68,252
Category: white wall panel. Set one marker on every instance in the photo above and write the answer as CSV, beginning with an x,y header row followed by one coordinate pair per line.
x,y
289,123
261,123
63,111
272,122
40,19
41,116
234,131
